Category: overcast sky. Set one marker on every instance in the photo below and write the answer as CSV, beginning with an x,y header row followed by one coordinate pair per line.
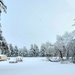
x,y
37,21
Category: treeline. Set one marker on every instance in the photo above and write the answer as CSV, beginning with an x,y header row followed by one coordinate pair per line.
x,y
34,50
63,47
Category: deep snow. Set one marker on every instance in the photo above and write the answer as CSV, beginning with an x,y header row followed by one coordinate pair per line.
x,y
36,66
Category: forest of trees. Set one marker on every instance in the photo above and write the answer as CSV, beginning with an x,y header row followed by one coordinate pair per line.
x,y
63,47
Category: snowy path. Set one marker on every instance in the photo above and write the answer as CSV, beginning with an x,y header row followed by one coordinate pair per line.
x,y
36,66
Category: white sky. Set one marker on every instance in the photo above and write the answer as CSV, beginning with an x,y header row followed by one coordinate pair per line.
x,y
37,21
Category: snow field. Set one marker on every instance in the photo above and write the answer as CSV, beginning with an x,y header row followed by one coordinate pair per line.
x,y
36,66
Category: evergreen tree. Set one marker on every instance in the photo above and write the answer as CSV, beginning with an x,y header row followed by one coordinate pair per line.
x,y
11,49
31,51
25,52
35,50
43,50
16,51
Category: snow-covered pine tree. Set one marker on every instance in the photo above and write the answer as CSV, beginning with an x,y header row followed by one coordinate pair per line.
x,y
11,50
3,43
25,52
16,51
31,51
42,52
36,50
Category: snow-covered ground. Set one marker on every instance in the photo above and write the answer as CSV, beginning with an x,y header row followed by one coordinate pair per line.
x,y
36,66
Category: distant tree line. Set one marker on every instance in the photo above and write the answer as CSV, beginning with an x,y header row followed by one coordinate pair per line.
x,y
63,47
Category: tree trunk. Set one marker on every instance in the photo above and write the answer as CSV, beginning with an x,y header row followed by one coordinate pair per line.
x,y
67,56
73,58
